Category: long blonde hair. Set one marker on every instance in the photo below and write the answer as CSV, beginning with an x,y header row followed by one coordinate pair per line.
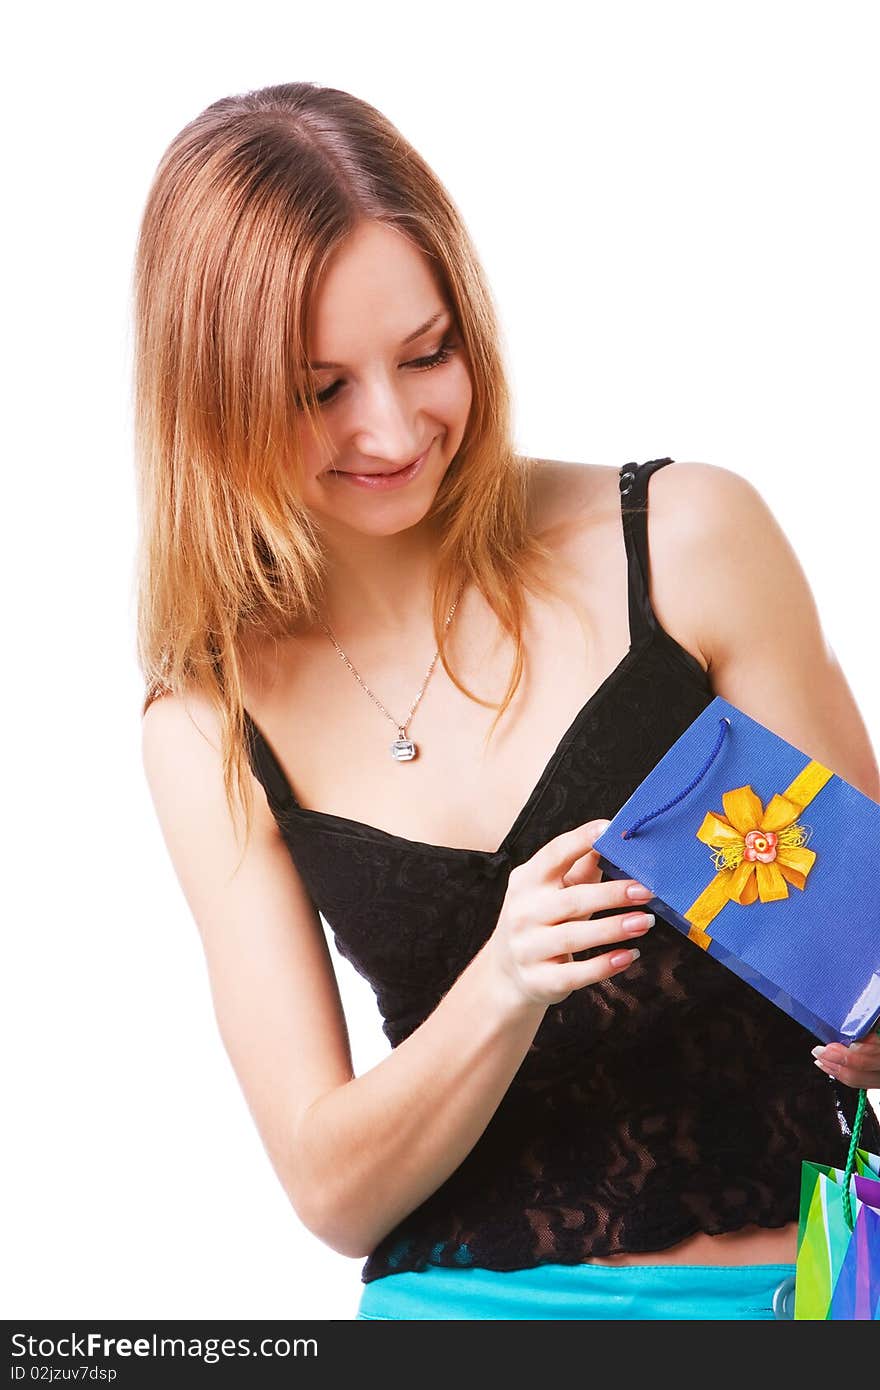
x,y
246,207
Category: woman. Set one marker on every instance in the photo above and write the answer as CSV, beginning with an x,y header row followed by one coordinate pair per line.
x,y
581,1116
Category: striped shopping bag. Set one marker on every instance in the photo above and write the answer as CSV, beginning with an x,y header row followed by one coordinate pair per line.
x,y
838,1258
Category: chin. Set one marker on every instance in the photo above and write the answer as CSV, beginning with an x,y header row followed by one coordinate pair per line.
x,y
391,522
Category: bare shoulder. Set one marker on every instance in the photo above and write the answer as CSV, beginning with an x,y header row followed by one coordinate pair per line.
x,y
169,712
572,502
699,511
579,509
696,495
692,506
569,496
714,536
171,724
753,610
576,498
568,491
181,738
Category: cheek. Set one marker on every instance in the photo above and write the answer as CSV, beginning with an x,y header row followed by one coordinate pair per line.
x,y
313,460
316,459
452,396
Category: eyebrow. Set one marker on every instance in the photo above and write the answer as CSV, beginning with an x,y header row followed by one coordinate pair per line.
x,y
410,338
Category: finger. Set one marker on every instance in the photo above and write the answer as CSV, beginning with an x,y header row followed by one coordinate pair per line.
x,y
556,857
857,1065
580,900
866,1052
850,1075
547,943
578,973
583,870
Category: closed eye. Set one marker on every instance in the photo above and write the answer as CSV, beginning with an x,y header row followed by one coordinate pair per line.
x,y
418,364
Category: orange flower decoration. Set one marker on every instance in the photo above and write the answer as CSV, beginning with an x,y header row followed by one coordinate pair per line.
x,y
760,851
757,852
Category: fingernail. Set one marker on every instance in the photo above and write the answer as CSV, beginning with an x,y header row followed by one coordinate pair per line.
x,y
638,893
817,1051
638,921
625,957
823,1066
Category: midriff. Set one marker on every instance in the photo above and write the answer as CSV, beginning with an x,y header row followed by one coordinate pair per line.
x,y
753,1245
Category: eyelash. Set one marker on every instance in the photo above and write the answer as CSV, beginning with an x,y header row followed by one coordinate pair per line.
x,y
420,364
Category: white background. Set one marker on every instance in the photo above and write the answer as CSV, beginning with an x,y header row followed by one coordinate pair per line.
x,y
676,208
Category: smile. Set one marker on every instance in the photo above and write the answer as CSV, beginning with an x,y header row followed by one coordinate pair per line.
x,y
383,482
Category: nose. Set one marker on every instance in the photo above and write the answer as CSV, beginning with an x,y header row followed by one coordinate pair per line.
x,y
385,426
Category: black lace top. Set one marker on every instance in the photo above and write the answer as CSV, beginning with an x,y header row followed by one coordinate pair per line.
x,y
668,1100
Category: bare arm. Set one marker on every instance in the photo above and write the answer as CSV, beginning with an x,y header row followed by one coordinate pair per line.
x,y
357,1154
272,981
755,618
393,1135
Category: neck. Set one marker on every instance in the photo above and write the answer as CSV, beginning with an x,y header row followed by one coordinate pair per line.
x,y
381,585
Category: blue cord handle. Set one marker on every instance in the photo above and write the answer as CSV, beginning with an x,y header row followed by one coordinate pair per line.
x,y
724,724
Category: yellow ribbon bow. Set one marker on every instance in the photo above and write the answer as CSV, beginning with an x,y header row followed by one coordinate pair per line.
x,y
758,851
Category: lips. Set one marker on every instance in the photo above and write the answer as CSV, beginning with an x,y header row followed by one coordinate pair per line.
x,y
380,472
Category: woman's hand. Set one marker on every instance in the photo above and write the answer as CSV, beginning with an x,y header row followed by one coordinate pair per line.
x,y
857,1065
545,915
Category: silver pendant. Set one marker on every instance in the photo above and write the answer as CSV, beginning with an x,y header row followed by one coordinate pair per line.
x,y
403,748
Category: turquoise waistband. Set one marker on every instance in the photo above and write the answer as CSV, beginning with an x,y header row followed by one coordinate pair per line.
x,y
599,1292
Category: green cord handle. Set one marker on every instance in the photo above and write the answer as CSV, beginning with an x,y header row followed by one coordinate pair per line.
x,y
851,1156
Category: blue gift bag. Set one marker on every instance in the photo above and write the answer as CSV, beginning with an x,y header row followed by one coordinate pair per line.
x,y
765,859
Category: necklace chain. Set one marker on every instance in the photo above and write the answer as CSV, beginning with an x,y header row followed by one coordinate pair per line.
x,y
400,727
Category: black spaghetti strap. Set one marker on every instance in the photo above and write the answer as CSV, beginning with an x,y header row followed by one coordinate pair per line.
x,y
634,515
267,769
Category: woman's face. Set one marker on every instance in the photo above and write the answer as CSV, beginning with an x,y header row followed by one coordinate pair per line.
x,y
392,390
